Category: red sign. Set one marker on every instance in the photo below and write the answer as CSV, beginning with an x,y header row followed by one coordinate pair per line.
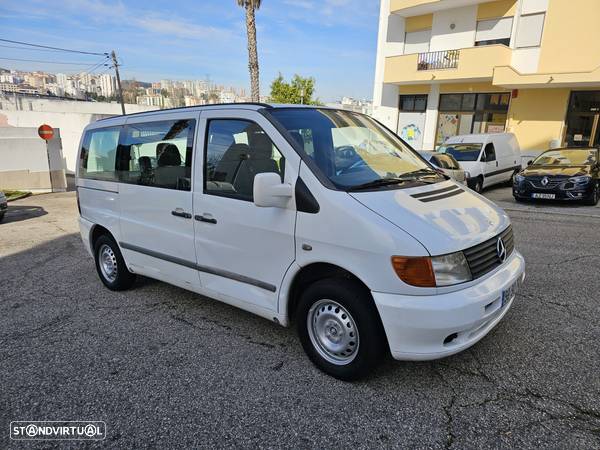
x,y
46,132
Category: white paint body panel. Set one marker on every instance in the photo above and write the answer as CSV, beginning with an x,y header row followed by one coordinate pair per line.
x,y
358,232
508,156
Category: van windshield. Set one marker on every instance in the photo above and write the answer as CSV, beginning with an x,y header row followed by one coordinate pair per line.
x,y
352,150
462,152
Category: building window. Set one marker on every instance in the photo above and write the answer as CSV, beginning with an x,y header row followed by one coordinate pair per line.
x,y
530,29
471,113
413,103
495,31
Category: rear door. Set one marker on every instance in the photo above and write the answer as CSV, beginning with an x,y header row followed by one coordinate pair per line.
x,y
243,250
156,174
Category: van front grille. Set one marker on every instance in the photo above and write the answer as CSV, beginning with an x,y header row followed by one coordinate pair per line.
x,y
483,258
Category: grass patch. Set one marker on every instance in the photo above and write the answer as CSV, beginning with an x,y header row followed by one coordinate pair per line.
x,y
14,195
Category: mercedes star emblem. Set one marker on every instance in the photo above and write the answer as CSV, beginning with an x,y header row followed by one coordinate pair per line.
x,y
501,250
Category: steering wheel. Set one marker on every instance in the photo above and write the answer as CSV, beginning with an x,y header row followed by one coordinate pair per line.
x,y
346,152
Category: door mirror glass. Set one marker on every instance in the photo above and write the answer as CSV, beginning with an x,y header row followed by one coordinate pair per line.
x,y
269,191
530,162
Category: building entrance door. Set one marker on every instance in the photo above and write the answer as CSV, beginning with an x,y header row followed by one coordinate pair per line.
x,y
583,120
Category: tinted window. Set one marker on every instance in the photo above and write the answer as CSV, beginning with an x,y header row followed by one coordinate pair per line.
x,y
237,150
99,154
490,152
158,154
567,157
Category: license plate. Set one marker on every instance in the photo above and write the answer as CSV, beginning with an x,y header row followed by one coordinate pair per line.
x,y
509,293
544,196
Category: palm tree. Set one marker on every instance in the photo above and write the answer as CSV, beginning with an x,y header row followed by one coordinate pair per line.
x,y
251,6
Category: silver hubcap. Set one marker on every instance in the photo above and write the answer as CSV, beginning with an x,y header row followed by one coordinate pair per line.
x,y
108,263
333,332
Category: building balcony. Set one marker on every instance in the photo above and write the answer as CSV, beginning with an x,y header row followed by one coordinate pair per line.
x,y
465,65
408,8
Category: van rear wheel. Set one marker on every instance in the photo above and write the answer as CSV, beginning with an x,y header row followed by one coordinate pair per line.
x,y
340,329
111,266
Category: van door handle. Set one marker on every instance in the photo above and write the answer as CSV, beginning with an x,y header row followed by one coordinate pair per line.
x,y
206,219
181,213
496,163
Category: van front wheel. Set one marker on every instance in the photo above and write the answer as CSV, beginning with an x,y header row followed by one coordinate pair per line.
x,y
110,265
340,329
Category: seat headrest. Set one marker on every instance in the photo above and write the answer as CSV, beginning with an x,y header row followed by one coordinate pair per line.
x,y
298,137
168,155
261,145
145,162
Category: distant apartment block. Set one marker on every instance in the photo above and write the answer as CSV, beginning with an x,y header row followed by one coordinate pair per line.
x,y
531,67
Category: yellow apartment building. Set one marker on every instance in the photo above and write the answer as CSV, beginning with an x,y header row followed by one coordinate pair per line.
x,y
530,67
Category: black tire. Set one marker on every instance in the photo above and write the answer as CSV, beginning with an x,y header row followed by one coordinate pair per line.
x,y
122,278
2,216
478,186
592,200
371,343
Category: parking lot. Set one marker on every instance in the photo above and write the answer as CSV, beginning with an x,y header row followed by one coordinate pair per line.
x,y
164,367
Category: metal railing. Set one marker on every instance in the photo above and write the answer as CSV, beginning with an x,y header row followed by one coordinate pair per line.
x,y
447,59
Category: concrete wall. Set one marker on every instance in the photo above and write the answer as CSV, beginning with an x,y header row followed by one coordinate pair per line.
x,y
70,116
29,163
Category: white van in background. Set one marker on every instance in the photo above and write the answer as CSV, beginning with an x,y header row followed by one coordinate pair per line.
x,y
489,158
306,215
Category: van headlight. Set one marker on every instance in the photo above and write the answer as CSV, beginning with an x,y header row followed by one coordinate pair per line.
x,y
436,271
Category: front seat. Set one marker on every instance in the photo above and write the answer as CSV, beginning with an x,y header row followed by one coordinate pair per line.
x,y
168,170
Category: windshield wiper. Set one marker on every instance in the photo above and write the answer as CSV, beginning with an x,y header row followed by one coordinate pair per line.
x,y
376,183
419,172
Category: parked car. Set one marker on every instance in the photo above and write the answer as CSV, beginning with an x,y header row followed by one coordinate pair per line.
x,y
561,174
446,163
489,158
3,205
246,204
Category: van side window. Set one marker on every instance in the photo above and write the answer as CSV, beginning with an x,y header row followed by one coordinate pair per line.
x,y
237,150
490,153
157,154
99,153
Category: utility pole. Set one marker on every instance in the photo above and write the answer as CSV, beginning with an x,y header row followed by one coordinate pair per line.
x,y
113,55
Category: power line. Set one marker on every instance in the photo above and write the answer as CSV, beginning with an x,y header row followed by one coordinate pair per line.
x,y
53,48
32,49
48,62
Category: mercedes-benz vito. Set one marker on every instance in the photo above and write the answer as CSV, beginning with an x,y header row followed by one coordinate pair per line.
x,y
305,215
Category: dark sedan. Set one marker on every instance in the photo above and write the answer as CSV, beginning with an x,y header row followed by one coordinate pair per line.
x,y
561,174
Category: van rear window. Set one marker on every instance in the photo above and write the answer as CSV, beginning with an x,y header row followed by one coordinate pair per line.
x,y
99,154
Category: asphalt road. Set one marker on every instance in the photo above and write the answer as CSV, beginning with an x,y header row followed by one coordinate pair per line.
x,y
167,368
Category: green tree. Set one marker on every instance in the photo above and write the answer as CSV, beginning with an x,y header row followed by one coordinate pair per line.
x,y
299,91
251,6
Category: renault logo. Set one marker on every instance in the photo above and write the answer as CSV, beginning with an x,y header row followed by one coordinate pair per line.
x,y
501,250
545,181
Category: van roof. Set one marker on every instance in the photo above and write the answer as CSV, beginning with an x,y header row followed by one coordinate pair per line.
x,y
243,105
478,137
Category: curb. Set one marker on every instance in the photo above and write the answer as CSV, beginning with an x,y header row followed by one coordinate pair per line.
x,y
19,197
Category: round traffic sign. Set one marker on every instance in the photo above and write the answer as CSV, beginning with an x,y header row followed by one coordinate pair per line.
x,y
46,132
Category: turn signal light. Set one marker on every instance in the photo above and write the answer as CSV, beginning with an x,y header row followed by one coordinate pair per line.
x,y
414,271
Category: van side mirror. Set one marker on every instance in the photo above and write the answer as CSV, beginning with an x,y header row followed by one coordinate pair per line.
x,y
269,191
530,162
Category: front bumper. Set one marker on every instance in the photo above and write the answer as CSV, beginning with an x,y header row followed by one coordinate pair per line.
x,y
525,190
418,327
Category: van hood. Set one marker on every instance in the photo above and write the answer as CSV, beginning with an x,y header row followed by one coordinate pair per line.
x,y
443,217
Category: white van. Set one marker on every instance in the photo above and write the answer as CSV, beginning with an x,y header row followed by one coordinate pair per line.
x,y
489,158
313,216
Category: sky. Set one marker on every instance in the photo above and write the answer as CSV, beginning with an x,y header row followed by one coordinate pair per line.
x,y
333,41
